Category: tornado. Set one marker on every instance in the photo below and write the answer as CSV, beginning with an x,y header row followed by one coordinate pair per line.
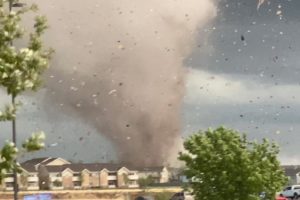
x,y
119,66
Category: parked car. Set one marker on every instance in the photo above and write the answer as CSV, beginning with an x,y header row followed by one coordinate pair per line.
x,y
281,198
291,191
183,196
278,197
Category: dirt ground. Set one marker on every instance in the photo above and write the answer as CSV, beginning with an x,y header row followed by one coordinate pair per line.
x,y
104,194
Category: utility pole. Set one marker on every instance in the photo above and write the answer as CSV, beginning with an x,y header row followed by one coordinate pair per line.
x,y
14,139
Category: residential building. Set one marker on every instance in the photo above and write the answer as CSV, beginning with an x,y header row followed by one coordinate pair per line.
x,y
293,173
158,174
59,174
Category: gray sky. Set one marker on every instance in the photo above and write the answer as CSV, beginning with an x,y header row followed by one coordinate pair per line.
x,y
250,85
243,73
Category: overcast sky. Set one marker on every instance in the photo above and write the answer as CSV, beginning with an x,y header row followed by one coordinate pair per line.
x,y
246,74
243,73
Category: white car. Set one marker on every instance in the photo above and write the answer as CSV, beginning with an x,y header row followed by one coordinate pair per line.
x,y
291,191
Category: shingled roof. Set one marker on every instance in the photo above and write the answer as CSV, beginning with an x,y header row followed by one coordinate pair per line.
x,y
55,169
93,166
150,169
28,167
291,170
31,165
36,161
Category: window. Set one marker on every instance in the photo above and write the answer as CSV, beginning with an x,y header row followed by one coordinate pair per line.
x,y
77,183
9,185
76,174
112,173
288,188
32,184
112,182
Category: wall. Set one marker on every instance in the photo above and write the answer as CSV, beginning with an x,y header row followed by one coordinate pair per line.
x,y
103,179
67,180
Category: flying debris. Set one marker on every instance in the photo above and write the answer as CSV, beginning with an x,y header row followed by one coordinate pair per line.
x,y
53,145
260,2
242,37
112,91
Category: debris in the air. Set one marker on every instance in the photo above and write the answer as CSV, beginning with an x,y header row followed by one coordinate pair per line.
x,y
112,91
279,12
275,58
73,88
53,145
260,2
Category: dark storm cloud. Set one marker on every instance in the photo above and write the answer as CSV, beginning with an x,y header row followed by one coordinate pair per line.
x,y
256,115
270,45
246,74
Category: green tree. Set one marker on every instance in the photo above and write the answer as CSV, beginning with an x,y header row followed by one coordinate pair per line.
x,y
221,164
21,68
57,183
145,182
163,195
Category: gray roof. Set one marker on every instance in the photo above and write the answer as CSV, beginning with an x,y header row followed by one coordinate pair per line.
x,y
55,169
36,161
45,162
76,167
79,167
93,166
150,169
291,170
28,167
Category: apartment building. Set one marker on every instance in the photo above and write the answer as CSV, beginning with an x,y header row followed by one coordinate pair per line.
x,y
91,175
158,174
59,174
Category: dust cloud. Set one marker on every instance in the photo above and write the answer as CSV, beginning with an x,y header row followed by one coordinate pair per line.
x,y
118,66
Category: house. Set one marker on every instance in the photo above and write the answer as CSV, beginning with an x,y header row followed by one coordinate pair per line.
x,y
293,173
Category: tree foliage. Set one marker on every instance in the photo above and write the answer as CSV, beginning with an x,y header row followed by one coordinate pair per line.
x,y
221,164
21,68
145,182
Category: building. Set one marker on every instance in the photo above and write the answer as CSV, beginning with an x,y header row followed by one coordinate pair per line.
x,y
59,174
158,174
293,173
91,175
